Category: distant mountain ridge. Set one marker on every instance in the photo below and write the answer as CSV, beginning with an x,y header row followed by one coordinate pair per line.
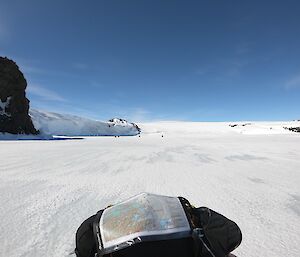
x,y
51,123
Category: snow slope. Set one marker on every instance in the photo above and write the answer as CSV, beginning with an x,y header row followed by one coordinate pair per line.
x,y
47,188
70,125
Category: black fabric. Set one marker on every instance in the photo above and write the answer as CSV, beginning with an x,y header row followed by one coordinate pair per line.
x,y
221,234
85,241
166,248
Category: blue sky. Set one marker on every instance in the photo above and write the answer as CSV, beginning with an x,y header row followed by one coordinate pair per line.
x,y
158,60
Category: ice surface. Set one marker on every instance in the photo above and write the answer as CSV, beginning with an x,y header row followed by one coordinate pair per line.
x,y
47,188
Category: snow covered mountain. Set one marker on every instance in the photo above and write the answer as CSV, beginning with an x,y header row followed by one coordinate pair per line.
x,y
69,125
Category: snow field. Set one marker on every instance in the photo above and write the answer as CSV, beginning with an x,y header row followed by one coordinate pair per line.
x,y
47,188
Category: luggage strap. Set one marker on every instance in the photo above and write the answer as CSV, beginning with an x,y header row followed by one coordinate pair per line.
x,y
198,235
97,233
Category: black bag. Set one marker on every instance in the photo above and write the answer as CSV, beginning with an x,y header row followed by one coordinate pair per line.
x,y
218,234
85,240
212,235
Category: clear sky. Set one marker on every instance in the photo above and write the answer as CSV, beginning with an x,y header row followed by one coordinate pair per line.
x,y
158,60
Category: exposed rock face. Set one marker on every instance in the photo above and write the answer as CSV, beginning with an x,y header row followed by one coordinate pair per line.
x,y
293,129
118,121
238,125
14,105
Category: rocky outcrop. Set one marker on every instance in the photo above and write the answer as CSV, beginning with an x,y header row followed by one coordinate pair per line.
x,y
122,122
293,129
238,125
14,105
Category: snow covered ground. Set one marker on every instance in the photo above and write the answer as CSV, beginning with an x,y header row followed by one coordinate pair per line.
x,y
50,123
248,173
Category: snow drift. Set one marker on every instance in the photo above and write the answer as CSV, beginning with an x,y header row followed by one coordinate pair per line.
x,y
69,125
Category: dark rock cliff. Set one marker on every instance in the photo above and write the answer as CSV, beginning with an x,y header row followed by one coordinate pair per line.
x,y
14,105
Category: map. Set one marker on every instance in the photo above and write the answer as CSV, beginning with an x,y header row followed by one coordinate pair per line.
x,y
143,215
